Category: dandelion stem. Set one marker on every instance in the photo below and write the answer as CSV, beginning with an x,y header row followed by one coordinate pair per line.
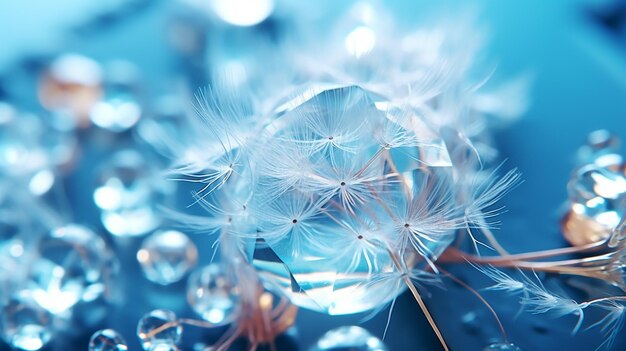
x,y
419,300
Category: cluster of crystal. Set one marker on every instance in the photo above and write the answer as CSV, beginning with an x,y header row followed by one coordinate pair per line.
x,y
360,139
351,338
107,340
213,295
128,192
167,256
597,191
159,330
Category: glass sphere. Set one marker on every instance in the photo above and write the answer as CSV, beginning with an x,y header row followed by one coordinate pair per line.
x,y
213,295
107,340
25,325
351,338
72,264
159,330
128,192
167,256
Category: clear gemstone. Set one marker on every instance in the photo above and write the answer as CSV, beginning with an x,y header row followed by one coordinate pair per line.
x,y
107,340
26,326
159,330
313,274
502,347
212,295
167,256
73,264
127,193
351,338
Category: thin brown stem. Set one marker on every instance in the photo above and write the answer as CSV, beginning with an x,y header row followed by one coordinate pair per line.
x,y
420,301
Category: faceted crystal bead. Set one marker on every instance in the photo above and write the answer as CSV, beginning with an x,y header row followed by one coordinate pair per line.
x,y
127,193
107,340
351,338
159,330
598,202
73,264
213,295
25,325
167,256
348,128
502,347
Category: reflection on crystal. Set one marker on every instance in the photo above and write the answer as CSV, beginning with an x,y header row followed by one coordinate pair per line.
x,y
26,326
158,330
351,338
598,202
107,340
360,41
73,264
127,193
502,347
41,182
212,295
167,256
324,276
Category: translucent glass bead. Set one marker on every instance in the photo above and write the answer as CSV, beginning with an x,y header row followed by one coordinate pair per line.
x,y
167,256
598,201
502,347
158,330
213,295
127,193
107,340
26,326
351,338
73,264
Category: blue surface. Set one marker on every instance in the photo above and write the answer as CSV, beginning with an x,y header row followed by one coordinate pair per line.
x,y
579,85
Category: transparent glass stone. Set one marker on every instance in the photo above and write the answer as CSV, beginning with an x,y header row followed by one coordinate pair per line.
x,y
159,330
502,347
128,192
72,264
598,202
311,275
351,338
167,256
107,340
213,295
25,325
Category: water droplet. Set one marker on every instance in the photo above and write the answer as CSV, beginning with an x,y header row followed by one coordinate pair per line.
x,y
471,322
213,295
159,330
26,326
128,192
73,264
167,256
351,338
502,347
107,340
